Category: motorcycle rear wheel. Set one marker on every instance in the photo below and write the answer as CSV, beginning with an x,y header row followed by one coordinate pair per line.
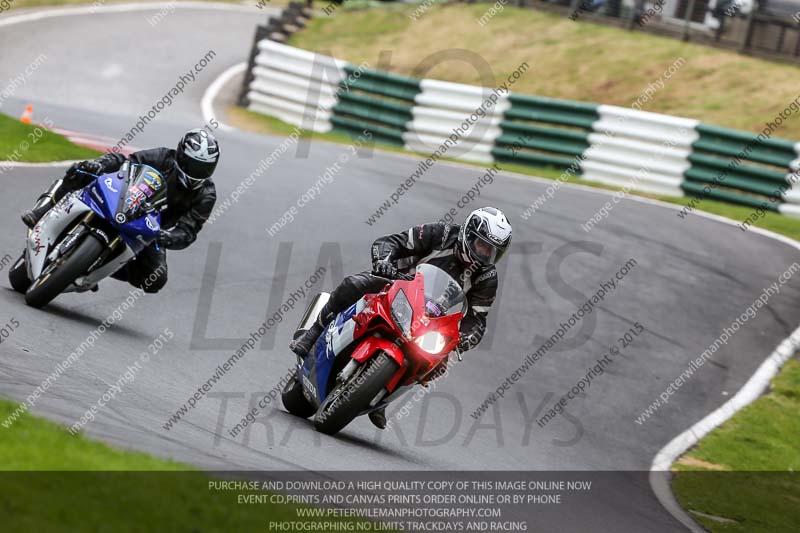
x,y
353,397
71,267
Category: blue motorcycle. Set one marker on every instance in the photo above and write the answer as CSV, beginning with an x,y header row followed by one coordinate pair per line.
x,y
91,234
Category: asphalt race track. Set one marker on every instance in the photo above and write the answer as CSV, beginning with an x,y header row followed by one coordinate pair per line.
x,y
691,279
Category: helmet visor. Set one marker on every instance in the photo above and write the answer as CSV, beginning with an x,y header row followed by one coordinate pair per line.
x,y
483,251
195,172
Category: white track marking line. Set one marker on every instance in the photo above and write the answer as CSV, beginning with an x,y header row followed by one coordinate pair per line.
x,y
751,390
207,103
122,8
660,476
23,164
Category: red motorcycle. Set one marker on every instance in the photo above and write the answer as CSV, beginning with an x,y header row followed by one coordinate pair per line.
x,y
377,349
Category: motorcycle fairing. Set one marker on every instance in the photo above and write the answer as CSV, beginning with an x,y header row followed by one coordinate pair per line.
x,y
44,234
104,197
336,338
370,345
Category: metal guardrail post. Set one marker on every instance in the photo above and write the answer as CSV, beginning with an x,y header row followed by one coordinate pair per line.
x,y
262,32
687,21
748,34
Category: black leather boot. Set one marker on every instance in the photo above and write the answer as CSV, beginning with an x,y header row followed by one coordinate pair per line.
x,y
45,202
31,217
378,418
302,345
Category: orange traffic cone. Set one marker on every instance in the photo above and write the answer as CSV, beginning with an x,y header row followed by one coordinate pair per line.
x,y
27,115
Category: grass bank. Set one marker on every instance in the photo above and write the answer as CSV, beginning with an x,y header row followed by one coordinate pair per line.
x,y
51,481
34,144
743,477
572,60
20,4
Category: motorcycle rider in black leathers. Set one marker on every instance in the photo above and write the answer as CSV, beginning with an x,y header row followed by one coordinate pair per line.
x,y
468,253
191,196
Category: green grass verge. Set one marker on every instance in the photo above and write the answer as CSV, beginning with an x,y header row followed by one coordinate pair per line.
x,y
20,4
14,136
783,225
81,485
573,60
746,471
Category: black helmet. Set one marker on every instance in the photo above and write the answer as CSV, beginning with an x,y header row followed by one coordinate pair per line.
x,y
484,237
197,157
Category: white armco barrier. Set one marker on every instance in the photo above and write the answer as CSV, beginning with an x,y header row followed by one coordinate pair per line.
x,y
639,151
467,115
296,86
630,149
792,195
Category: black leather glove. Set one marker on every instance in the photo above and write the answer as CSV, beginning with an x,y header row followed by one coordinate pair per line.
x,y
92,167
465,344
384,269
165,239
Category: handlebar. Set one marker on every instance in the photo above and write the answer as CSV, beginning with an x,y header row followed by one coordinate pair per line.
x,y
400,277
79,171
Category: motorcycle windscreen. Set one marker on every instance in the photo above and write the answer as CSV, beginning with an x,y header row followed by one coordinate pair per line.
x,y
443,295
147,193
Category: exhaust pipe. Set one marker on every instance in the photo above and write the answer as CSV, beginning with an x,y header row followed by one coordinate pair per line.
x,y
312,313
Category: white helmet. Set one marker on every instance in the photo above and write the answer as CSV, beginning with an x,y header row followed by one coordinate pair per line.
x,y
197,157
484,237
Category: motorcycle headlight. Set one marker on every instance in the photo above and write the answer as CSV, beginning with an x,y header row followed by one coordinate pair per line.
x,y
432,342
402,313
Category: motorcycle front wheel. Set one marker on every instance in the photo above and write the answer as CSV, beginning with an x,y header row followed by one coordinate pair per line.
x,y
293,399
349,399
18,276
67,269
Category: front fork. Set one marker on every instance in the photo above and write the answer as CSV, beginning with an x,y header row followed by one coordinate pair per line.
x,y
71,238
